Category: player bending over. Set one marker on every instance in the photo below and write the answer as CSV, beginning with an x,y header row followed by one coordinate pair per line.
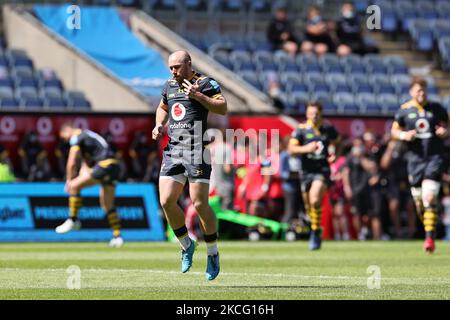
x,y
423,126
311,140
98,167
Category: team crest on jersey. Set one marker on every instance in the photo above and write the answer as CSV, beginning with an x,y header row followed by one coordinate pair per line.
x,y
178,112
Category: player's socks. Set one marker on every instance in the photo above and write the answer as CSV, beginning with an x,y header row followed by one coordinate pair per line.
x,y
430,218
114,222
75,203
183,237
315,214
211,244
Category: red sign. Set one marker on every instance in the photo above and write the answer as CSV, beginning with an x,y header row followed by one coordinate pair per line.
x,y
122,128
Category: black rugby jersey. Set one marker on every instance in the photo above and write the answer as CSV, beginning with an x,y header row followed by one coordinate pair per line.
x,y
188,117
424,120
324,135
92,146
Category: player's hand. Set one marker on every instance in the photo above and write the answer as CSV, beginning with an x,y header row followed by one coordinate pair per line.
x,y
409,135
190,90
157,132
311,147
441,132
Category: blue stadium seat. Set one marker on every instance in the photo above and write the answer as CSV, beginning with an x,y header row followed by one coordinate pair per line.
x,y
26,82
288,67
361,84
401,83
6,92
8,103
51,93
389,22
443,9
338,83
403,98
406,11
367,103
345,103
441,29
266,67
388,102
297,102
426,10
31,103
81,104
6,82
395,65
326,101
382,84
54,103
252,78
263,57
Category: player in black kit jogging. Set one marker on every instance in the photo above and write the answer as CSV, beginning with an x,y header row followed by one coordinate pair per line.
x,y
186,100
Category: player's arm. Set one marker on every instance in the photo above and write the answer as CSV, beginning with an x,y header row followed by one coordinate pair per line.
x,y
295,148
442,128
162,115
216,103
399,133
71,166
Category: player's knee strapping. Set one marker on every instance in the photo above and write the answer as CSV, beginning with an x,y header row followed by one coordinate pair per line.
x,y
114,222
75,203
315,215
183,237
211,243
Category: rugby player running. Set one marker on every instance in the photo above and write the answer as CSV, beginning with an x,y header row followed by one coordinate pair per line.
x,y
311,141
423,126
186,100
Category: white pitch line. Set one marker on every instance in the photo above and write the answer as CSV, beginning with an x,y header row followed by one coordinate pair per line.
x,y
281,275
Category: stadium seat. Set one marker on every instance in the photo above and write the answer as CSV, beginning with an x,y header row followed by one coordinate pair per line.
x,y
252,78
6,82
401,83
6,92
443,9
31,103
426,10
297,103
338,83
80,104
54,103
395,65
406,11
360,84
345,103
388,103
382,84
263,57
389,22
367,103
8,103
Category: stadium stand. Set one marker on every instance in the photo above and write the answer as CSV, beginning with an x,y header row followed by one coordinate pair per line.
x,y
24,87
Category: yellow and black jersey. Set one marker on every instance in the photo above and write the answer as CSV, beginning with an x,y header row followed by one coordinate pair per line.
x,y
186,114
324,134
423,119
92,146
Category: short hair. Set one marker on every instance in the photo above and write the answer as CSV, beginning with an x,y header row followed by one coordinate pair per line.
x,y
418,80
315,104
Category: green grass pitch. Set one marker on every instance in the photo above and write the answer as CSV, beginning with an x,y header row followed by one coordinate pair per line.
x,y
249,270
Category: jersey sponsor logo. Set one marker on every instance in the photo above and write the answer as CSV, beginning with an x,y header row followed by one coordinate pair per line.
x,y
180,126
423,129
214,84
178,112
309,136
412,115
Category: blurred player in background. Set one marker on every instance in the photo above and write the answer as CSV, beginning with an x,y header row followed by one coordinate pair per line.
x,y
423,126
98,167
186,100
311,141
